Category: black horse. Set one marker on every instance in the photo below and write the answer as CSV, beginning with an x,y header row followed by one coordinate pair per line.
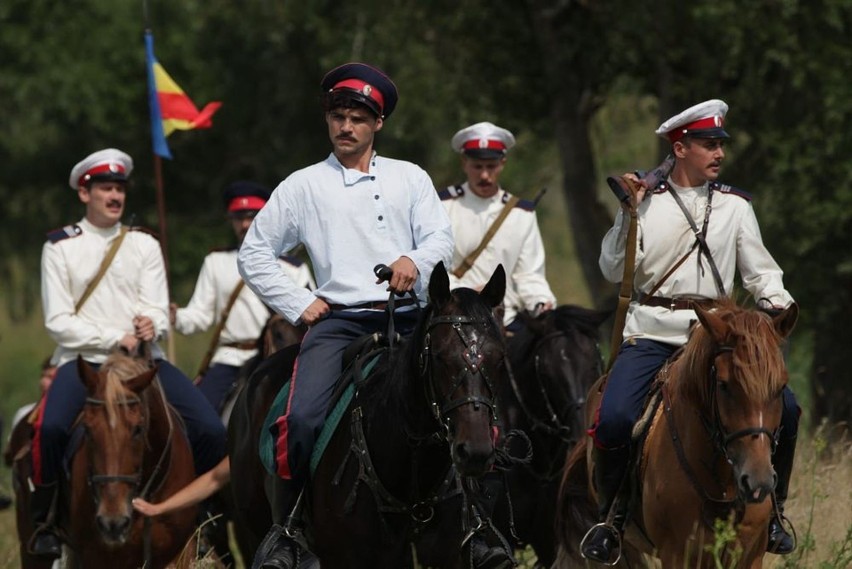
x,y
555,359
422,421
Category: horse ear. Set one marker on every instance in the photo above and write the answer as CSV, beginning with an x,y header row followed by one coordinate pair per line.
x,y
714,325
141,382
493,292
439,284
786,320
87,375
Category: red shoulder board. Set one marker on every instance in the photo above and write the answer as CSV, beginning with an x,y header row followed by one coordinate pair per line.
x,y
141,229
61,233
451,193
726,189
295,261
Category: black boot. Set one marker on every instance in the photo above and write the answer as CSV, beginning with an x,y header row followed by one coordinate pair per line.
x,y
213,529
44,541
780,541
603,542
483,554
279,550
276,551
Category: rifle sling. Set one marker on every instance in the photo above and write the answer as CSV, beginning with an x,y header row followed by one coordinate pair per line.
x,y
625,293
217,333
105,263
468,261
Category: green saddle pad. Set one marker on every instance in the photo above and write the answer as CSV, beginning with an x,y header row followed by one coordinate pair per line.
x,y
279,405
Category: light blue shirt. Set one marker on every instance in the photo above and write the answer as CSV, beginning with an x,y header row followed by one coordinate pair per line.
x,y
349,221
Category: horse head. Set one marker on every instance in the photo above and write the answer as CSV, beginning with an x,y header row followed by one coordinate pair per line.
x,y
115,424
742,391
463,361
278,334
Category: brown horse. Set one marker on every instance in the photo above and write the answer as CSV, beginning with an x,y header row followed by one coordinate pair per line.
x,y
427,410
132,445
707,453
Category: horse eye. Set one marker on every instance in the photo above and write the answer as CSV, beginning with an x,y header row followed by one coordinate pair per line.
x,y
137,431
723,387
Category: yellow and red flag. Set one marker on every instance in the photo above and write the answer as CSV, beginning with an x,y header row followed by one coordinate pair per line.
x,y
171,108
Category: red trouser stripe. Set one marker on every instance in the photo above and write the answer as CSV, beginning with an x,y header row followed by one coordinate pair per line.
x,y
281,444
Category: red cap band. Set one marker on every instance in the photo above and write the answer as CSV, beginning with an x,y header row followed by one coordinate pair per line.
x,y
364,88
113,167
482,144
246,202
701,124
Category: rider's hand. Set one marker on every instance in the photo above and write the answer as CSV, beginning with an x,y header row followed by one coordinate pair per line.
x,y
129,343
173,308
144,328
640,187
404,275
146,508
315,312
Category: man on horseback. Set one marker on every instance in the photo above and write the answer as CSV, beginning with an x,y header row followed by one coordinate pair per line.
x,y
103,287
493,227
220,297
352,211
683,260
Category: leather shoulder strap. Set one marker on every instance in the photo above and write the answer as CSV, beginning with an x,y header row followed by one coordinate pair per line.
x,y
217,333
468,261
107,261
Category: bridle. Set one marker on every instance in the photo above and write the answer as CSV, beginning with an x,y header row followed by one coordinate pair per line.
x,y
442,404
134,480
718,433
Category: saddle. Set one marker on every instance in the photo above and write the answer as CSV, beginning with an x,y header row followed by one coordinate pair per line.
x,y
359,361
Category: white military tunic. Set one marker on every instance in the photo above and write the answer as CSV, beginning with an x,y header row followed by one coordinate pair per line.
x,y
134,285
664,236
349,221
517,245
216,282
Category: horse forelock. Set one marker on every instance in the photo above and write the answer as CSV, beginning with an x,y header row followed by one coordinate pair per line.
x,y
758,363
117,369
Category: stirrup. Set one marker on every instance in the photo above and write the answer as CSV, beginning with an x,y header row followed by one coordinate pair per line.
x,y
614,532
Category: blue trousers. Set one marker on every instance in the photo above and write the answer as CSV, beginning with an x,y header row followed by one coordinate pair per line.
x,y
317,371
217,383
67,396
630,381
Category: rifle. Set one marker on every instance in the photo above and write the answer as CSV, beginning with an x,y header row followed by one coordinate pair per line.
x,y
625,190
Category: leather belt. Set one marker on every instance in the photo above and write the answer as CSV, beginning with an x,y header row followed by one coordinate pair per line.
x,y
372,305
676,303
252,345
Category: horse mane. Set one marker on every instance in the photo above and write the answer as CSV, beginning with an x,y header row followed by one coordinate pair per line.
x,y
118,368
757,356
388,388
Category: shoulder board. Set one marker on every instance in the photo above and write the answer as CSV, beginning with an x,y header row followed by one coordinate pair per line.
x,y
526,205
726,189
451,193
661,187
141,229
223,249
295,261
57,235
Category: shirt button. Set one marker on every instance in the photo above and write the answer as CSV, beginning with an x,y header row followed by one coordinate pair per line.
x,y
381,217
376,196
372,177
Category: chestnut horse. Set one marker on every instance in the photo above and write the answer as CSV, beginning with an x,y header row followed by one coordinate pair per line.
x,y
707,455
423,419
132,445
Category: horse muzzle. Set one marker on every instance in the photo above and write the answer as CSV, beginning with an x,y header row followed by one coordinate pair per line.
x,y
473,458
114,529
755,489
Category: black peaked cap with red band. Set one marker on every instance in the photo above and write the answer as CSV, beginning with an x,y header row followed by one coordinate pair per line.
x,y
365,84
244,195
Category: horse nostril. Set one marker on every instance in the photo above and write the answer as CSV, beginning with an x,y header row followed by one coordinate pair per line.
x,y
462,452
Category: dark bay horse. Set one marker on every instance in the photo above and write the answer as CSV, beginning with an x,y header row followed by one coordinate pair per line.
x,y
422,420
132,445
555,360
707,453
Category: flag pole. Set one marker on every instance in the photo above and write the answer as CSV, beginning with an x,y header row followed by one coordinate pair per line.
x,y
161,209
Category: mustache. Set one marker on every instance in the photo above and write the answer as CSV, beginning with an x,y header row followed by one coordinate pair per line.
x,y
345,137
114,203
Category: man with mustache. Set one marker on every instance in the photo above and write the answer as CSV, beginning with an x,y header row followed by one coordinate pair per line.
x,y
352,211
216,284
103,287
672,274
473,208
